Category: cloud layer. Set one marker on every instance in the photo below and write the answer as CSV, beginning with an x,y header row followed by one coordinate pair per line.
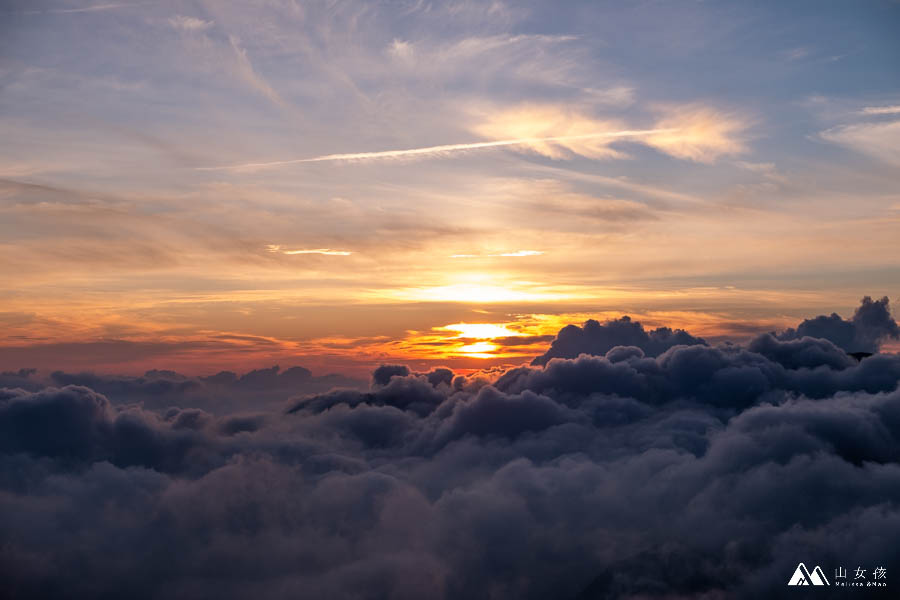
x,y
654,469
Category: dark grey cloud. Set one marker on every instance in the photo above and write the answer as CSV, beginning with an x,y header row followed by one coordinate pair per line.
x,y
22,378
76,425
806,352
598,339
383,374
870,325
223,392
691,471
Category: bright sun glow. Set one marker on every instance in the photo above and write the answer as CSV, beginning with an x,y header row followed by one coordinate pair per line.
x,y
479,349
479,294
480,331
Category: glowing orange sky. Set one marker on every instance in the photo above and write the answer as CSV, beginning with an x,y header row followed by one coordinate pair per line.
x,y
253,184
239,331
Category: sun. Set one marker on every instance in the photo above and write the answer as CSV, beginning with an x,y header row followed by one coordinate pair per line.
x,y
483,332
479,349
480,331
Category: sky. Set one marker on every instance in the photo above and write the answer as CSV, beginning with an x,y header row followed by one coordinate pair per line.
x,y
208,185
452,300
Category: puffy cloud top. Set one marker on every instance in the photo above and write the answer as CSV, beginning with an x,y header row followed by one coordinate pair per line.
x,y
871,324
597,339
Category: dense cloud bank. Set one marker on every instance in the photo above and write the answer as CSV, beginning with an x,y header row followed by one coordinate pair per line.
x,y
597,339
637,472
223,392
870,326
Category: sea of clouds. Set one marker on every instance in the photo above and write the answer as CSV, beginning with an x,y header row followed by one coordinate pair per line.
x,y
623,463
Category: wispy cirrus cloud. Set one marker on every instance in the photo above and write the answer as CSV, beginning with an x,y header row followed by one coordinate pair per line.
x,y
569,140
514,254
796,53
82,9
189,23
245,71
276,249
699,133
554,131
881,110
534,58
879,140
693,132
226,53
696,133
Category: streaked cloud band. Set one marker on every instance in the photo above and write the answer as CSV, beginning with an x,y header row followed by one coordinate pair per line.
x,y
437,150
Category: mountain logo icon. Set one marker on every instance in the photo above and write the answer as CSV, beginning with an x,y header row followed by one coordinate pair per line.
x,y
802,576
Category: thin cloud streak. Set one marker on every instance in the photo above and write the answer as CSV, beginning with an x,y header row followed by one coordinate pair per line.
x,y
95,8
245,71
437,150
516,254
881,110
325,251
